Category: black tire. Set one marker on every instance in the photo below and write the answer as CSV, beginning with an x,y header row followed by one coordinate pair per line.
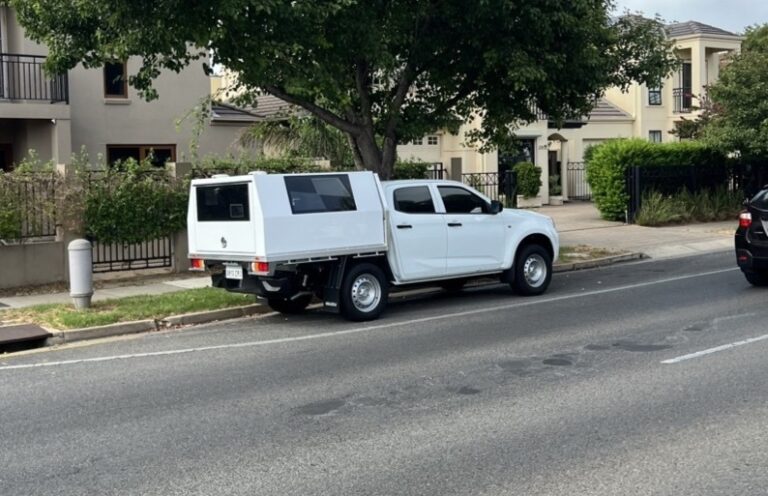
x,y
289,306
364,293
454,285
757,278
533,270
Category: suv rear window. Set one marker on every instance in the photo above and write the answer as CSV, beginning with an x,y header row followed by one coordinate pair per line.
x,y
222,202
326,193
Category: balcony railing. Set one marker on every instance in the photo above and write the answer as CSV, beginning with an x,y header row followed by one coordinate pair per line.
x,y
683,98
22,79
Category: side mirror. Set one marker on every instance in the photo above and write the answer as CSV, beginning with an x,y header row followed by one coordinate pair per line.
x,y
496,207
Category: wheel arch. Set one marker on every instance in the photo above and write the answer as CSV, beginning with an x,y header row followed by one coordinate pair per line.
x,y
535,239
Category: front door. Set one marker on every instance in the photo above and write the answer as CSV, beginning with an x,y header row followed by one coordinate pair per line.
x,y
475,236
420,235
6,157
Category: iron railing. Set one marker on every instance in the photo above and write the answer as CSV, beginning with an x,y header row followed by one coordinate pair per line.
x,y
28,204
22,78
114,257
501,186
683,98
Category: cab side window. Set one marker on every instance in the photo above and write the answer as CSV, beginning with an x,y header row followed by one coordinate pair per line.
x,y
460,201
414,200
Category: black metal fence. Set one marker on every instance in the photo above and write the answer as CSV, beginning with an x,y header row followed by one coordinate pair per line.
x,y
112,257
436,171
28,206
683,100
500,186
22,78
745,178
576,180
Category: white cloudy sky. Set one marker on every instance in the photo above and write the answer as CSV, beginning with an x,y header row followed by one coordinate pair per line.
x,y
731,15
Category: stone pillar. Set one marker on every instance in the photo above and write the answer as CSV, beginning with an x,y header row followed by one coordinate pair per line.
x,y
180,171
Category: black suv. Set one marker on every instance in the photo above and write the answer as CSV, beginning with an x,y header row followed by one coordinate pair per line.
x,y
752,240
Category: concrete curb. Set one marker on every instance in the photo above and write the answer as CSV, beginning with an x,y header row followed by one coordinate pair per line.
x,y
126,328
135,327
597,262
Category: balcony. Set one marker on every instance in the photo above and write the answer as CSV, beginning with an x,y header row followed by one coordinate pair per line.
x,y
683,98
22,79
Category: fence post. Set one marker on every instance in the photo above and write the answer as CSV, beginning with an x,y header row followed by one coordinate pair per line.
x,y
633,190
510,188
180,244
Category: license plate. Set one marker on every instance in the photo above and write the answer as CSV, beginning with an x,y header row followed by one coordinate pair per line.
x,y
233,272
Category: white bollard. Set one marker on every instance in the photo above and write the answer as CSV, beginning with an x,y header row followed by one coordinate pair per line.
x,y
80,273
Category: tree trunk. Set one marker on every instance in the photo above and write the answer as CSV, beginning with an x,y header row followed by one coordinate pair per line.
x,y
365,148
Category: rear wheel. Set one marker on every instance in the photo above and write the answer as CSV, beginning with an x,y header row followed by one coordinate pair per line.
x,y
533,271
364,292
757,278
288,305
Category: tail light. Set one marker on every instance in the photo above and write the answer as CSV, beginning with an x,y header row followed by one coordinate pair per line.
x,y
196,264
745,220
260,268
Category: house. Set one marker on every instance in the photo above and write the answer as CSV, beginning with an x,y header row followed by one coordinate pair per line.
x,y
96,109
639,112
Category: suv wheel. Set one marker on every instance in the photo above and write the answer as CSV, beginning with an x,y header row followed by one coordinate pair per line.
x,y
533,271
364,292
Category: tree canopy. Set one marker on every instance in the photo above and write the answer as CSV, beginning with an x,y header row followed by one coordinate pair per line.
x,y
740,99
381,71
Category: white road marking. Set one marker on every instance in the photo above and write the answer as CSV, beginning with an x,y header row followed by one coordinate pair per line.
x,y
537,301
715,350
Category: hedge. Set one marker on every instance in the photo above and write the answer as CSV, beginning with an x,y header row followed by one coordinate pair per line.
x,y
608,162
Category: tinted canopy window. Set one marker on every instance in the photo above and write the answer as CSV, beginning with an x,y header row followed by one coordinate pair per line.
x,y
312,194
223,202
460,201
414,200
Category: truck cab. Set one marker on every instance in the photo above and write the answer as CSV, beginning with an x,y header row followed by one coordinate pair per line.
x,y
347,238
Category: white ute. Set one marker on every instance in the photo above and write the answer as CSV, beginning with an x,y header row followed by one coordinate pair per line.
x,y
346,238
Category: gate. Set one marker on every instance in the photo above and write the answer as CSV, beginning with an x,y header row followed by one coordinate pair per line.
x,y
578,188
113,257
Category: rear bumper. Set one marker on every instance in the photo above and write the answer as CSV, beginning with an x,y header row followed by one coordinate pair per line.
x,y
258,285
748,256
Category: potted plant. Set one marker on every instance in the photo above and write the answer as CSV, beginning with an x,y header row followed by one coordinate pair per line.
x,y
555,190
528,184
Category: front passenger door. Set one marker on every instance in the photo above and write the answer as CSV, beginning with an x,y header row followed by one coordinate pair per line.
x,y
476,238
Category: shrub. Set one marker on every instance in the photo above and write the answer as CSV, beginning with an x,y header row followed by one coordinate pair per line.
x,y
528,179
555,188
10,209
410,169
282,165
703,206
608,162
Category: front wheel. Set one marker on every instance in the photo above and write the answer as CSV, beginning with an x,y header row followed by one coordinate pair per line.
x,y
757,278
533,271
289,305
364,293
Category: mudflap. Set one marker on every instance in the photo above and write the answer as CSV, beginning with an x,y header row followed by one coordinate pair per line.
x,y
332,289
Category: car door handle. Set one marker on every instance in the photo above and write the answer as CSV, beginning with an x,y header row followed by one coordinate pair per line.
x,y
454,224
404,226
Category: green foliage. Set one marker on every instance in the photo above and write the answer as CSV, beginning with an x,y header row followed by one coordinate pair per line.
x,y
133,203
741,99
27,198
381,71
238,166
528,179
702,206
11,214
608,162
410,169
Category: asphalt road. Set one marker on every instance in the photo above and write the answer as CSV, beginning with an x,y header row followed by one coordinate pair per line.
x,y
598,387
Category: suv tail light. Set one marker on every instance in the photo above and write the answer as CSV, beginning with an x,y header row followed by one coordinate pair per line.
x,y
745,220
197,264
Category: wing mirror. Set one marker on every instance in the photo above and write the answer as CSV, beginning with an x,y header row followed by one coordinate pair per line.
x,y
496,207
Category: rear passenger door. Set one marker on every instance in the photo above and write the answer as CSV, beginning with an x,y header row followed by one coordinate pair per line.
x,y
419,234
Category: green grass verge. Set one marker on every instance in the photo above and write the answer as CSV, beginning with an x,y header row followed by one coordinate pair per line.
x,y
582,253
105,312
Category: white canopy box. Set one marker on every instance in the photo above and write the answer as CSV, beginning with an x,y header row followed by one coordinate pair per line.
x,y
286,217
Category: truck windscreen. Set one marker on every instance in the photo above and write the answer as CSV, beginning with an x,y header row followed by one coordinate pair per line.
x,y
222,202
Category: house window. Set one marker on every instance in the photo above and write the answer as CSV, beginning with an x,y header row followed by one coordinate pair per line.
x,y
115,80
417,141
654,96
654,136
432,140
157,154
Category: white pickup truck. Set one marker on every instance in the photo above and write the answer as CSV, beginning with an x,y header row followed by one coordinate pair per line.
x,y
346,238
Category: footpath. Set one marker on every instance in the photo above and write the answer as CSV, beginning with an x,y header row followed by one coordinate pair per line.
x,y
578,223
